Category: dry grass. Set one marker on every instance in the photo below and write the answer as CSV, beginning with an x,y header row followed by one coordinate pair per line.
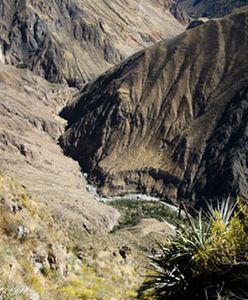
x,y
102,273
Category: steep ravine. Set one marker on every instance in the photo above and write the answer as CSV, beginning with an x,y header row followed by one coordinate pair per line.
x,y
171,120
29,129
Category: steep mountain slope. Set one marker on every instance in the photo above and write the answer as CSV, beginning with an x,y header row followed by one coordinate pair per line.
x,y
171,119
74,40
29,128
210,8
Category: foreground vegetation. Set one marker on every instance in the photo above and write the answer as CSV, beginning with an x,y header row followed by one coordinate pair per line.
x,y
207,258
42,259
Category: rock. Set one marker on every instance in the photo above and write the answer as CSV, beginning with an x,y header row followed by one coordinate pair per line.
x,y
16,208
53,259
24,151
125,251
22,232
2,59
80,255
10,203
195,23
39,259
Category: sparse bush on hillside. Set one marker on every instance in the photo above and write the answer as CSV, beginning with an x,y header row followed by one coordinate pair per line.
x,y
44,259
22,65
207,259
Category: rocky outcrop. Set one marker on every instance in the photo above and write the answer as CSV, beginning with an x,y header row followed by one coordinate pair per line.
x,y
176,10
210,8
195,23
74,40
171,120
29,129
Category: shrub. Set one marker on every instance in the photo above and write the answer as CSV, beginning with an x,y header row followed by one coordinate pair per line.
x,y
22,65
9,222
206,259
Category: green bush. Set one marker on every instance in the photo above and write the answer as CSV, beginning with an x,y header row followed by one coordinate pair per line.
x,y
22,66
206,259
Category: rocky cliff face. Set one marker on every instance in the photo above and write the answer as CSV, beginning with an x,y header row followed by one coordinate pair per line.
x,y
29,129
170,120
76,40
210,8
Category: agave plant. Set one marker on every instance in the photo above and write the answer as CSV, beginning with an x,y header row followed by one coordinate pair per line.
x,y
203,260
223,210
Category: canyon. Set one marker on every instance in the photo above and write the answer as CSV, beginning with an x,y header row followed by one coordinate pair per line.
x,y
171,120
115,115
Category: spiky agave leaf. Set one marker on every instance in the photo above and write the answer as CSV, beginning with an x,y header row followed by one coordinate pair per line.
x,y
222,210
174,265
192,264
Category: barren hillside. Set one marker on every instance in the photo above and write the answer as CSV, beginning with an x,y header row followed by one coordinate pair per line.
x,y
170,120
29,128
76,40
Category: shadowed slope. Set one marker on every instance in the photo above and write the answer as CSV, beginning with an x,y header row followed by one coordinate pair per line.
x,y
171,119
210,8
